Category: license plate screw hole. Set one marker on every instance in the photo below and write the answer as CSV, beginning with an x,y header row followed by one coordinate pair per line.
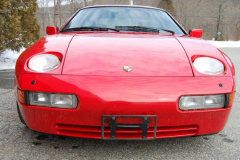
x,y
106,121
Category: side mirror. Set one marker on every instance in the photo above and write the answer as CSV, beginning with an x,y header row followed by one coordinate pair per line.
x,y
197,33
50,30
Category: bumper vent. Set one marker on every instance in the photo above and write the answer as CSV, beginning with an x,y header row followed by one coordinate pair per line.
x,y
96,133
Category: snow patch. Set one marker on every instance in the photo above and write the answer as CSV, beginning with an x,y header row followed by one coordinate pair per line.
x,y
226,44
9,58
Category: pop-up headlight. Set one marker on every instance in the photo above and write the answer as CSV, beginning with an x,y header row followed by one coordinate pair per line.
x,y
207,65
44,63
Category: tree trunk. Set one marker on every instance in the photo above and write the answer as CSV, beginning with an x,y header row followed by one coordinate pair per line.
x,y
219,17
54,13
1,51
60,15
85,3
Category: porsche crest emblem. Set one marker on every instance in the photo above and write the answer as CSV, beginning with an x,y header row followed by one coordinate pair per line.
x,y
127,68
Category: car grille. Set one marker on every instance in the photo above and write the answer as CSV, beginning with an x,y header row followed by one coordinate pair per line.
x,y
96,132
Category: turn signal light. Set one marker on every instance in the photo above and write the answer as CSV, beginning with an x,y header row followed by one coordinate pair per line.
x,y
21,95
231,98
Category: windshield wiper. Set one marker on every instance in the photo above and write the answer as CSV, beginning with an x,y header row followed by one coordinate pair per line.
x,y
90,28
143,28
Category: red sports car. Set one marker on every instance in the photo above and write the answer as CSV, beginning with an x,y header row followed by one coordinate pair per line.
x,y
124,72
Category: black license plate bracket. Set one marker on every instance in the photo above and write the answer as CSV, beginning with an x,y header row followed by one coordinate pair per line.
x,y
114,125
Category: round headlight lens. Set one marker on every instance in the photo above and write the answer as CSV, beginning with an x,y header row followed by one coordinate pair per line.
x,y
44,63
207,65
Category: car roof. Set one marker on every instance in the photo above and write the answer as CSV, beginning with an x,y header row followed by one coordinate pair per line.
x,y
134,6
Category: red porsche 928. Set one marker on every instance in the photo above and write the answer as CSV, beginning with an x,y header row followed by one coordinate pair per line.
x,y
124,72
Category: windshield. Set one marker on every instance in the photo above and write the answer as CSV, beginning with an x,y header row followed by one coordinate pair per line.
x,y
124,19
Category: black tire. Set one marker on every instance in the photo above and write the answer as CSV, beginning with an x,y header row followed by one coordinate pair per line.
x,y
20,116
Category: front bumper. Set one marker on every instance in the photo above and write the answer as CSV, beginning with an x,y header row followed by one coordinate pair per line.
x,y
101,96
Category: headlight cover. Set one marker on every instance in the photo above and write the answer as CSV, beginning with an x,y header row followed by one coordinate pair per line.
x,y
202,102
54,100
207,65
44,63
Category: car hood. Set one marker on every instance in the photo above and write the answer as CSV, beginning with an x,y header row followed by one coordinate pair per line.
x,y
148,55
